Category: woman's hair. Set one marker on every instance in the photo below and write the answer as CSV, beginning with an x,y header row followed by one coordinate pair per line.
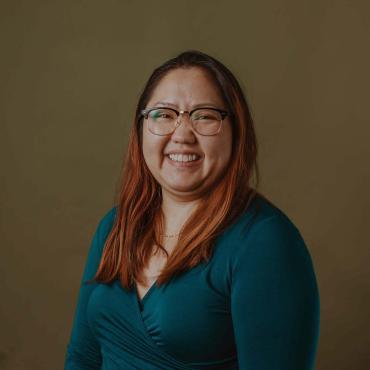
x,y
139,219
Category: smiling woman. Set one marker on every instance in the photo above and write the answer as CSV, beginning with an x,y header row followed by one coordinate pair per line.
x,y
193,268
177,178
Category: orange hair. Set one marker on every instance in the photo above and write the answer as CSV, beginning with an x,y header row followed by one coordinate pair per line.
x,y
139,219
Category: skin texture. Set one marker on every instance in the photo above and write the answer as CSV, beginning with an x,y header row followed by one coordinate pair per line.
x,y
181,187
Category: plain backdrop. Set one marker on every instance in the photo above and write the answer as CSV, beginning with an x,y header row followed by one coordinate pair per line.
x,y
70,76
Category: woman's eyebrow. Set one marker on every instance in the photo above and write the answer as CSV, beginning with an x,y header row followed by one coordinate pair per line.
x,y
205,104
165,103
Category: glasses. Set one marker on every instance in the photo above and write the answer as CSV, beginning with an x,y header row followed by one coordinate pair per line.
x,y
164,121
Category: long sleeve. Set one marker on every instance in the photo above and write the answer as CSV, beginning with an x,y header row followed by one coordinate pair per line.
x,y
275,299
83,351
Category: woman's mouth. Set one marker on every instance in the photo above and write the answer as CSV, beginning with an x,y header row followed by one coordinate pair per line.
x,y
184,161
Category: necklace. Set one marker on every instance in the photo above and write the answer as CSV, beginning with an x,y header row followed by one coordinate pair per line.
x,y
170,235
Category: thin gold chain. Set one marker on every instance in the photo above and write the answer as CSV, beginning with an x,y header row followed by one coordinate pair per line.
x,y
170,235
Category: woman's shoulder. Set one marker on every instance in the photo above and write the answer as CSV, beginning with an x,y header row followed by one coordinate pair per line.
x,y
267,227
263,214
105,224
108,217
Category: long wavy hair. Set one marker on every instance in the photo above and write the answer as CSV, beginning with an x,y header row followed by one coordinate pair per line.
x,y
139,219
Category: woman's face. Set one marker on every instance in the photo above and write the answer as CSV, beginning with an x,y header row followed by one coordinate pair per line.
x,y
183,89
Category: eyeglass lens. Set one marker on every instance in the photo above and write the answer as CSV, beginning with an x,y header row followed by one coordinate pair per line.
x,y
162,121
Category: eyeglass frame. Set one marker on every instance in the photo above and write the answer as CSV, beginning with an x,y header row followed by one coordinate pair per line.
x,y
145,112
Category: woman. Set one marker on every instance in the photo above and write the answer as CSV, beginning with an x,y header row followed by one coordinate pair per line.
x,y
193,268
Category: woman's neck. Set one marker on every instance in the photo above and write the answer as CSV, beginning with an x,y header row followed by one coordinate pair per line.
x,y
176,212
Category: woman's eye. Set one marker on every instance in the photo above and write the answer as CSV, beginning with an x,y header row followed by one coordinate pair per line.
x,y
161,115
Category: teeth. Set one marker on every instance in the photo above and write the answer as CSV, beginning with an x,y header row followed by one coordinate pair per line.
x,y
183,157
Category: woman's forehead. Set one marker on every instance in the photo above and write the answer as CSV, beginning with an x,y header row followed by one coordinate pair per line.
x,y
192,85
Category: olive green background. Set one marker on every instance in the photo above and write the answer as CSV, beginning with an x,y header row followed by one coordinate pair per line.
x,y
70,76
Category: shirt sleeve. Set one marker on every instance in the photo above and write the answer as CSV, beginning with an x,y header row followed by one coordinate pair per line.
x,y
83,350
275,299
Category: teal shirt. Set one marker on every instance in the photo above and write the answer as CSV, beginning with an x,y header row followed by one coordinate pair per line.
x,y
253,306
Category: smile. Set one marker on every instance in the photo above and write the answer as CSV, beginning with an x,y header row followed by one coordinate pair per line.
x,y
183,157
179,160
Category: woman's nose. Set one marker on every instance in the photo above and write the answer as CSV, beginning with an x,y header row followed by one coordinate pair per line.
x,y
183,129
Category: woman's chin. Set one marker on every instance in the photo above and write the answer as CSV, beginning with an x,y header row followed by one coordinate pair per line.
x,y
186,187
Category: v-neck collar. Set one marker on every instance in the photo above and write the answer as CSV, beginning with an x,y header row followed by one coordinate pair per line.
x,y
142,301
154,286
171,361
